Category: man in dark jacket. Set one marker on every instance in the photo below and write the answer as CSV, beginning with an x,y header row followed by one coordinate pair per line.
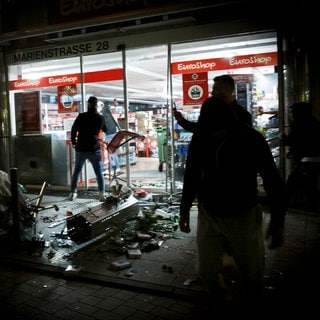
x,y
225,183
85,133
225,85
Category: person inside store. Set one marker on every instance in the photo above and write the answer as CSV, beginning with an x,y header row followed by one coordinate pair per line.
x,y
226,86
85,132
223,162
303,141
112,128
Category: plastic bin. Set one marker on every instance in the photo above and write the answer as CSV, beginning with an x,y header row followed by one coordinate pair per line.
x,y
162,145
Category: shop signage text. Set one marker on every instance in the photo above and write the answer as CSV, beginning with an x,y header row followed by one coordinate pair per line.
x,y
70,79
255,60
69,7
64,11
60,52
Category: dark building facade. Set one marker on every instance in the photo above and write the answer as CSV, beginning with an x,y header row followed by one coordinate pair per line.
x,y
47,31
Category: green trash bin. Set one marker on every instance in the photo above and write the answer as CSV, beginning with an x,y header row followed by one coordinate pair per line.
x,y
162,145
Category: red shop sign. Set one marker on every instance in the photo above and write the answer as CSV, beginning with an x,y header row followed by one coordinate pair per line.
x,y
206,65
66,80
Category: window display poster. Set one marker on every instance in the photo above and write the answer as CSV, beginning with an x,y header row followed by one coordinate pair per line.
x,y
67,98
27,107
195,88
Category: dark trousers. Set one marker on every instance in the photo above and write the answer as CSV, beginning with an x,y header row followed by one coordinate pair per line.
x,y
303,185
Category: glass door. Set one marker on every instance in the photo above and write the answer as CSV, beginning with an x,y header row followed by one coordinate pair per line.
x,y
103,77
140,86
147,82
250,60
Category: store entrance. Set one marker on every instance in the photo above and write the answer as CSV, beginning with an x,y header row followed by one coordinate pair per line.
x,y
147,72
140,86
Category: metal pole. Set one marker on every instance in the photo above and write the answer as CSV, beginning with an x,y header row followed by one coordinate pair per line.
x,y
15,209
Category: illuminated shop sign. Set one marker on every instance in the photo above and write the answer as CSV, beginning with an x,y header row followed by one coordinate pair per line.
x,y
247,61
70,10
69,79
183,67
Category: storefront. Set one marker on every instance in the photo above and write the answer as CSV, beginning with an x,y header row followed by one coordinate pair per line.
x,y
141,71
46,95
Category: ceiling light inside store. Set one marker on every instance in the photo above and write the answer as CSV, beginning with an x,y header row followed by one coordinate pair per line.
x,y
229,54
32,72
218,48
107,86
32,76
42,68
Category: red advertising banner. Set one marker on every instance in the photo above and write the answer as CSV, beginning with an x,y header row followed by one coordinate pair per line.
x,y
195,88
104,75
66,80
27,106
66,99
254,60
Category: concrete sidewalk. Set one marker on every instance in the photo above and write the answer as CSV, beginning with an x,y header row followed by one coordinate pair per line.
x,y
165,262
292,274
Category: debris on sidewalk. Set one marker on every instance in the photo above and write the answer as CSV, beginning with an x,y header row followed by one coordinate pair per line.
x,y
134,253
119,265
72,270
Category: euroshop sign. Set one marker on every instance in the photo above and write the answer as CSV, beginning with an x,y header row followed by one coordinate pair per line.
x,y
246,61
64,11
69,79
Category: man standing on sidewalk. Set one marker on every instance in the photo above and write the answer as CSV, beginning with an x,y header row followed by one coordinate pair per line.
x,y
224,181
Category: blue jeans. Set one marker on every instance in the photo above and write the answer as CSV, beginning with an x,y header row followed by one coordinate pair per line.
x,y
96,160
114,158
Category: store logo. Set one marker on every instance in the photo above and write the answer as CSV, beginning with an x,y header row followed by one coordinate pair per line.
x,y
26,83
195,76
199,65
195,92
64,79
256,60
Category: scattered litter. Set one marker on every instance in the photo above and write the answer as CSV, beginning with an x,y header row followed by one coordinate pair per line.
x,y
143,236
120,265
190,282
134,245
56,223
150,246
130,273
134,253
140,193
163,214
71,270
